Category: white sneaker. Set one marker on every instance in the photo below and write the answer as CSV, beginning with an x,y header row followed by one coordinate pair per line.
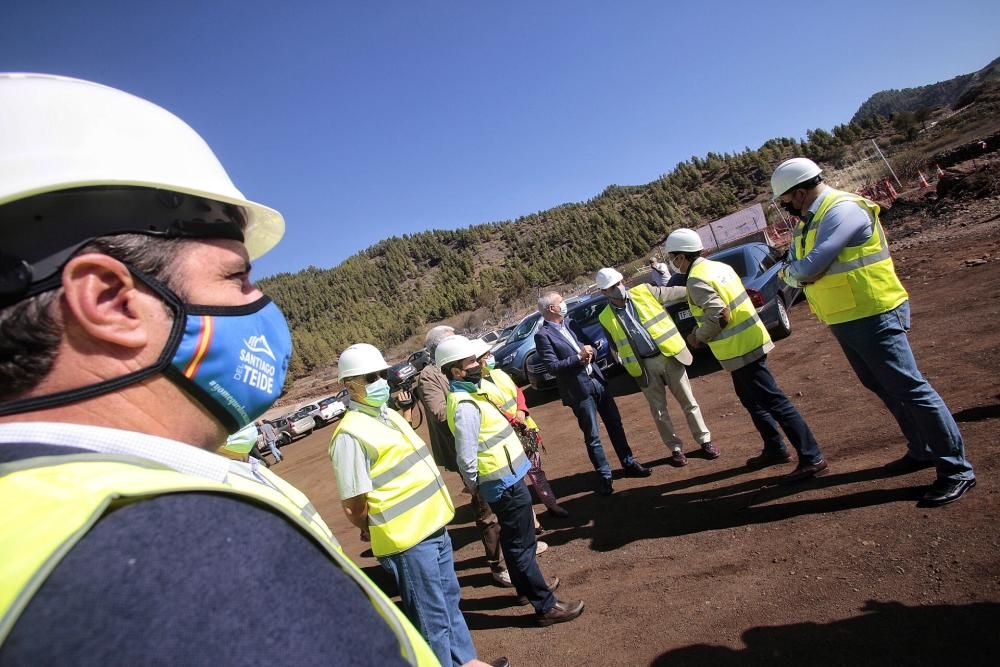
x,y
540,548
502,578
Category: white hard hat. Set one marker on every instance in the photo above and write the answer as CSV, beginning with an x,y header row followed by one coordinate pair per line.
x,y
360,359
790,173
608,277
61,133
453,348
480,347
683,240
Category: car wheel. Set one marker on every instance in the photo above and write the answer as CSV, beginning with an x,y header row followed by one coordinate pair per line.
x,y
784,326
284,440
319,423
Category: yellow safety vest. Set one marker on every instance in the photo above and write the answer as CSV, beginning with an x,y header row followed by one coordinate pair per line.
x,y
502,391
862,280
500,451
653,318
744,333
408,500
51,502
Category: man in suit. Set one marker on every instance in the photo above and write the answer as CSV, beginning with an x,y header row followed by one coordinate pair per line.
x,y
569,355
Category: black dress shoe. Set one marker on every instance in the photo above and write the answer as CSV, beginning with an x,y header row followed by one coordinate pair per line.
x,y
767,458
500,662
806,471
605,487
561,613
906,464
636,469
944,491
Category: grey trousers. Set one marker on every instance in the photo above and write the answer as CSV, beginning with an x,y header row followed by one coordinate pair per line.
x,y
668,373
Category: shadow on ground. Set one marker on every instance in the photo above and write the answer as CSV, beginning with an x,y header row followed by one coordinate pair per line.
x,y
885,633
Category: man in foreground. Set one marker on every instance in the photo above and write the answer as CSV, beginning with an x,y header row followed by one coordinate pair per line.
x,y
132,340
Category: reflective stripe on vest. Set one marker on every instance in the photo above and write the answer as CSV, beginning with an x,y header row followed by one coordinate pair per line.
x,y
502,392
653,318
500,452
51,502
744,333
862,280
408,500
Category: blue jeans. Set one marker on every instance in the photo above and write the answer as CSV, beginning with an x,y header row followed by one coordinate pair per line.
x,y
602,402
425,575
770,408
517,540
879,352
273,444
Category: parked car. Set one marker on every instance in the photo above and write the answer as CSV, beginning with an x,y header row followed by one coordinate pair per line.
x,y
512,356
585,314
504,335
292,427
490,337
757,265
420,359
333,407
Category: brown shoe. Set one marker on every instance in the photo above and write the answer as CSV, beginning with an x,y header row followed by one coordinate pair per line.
x,y
678,459
805,471
553,585
710,450
562,612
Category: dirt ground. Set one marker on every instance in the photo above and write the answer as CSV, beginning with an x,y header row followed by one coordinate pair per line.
x,y
714,564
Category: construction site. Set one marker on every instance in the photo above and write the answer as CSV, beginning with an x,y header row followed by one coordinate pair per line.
x,y
715,564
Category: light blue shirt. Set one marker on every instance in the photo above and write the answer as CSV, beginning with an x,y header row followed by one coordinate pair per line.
x,y
845,224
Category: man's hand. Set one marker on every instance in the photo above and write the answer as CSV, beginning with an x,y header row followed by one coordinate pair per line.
x,y
693,341
586,354
725,317
365,535
522,416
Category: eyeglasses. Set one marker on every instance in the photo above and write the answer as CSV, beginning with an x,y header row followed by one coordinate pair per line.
x,y
380,375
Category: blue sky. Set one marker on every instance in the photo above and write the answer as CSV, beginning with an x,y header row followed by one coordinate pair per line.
x,y
363,120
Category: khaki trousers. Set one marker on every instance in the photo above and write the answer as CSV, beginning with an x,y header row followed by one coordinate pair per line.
x,y
666,372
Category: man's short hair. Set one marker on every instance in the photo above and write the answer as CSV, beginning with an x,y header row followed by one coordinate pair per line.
x,y
436,335
31,330
546,300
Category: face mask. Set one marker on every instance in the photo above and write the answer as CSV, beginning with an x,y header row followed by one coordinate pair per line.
x,y
377,393
473,375
491,362
673,267
231,359
619,292
791,210
563,309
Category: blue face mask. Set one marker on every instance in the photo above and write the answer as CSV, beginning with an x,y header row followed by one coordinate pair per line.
x,y
491,362
563,309
377,393
233,359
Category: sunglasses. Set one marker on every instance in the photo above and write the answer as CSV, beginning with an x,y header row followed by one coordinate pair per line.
x,y
380,375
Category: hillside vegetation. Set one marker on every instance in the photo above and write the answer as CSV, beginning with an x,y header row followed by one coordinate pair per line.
x,y
392,290
948,93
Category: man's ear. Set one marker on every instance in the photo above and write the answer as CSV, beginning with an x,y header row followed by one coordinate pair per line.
x,y
105,300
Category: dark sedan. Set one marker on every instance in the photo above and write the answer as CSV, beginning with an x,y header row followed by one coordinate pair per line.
x,y
757,265
585,314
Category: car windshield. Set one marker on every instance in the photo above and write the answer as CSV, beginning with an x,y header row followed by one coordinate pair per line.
x,y
327,401
587,312
735,259
525,328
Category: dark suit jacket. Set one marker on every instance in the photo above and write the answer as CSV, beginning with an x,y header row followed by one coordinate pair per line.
x,y
562,360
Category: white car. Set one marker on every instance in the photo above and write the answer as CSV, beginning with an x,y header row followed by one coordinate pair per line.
x,y
332,408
